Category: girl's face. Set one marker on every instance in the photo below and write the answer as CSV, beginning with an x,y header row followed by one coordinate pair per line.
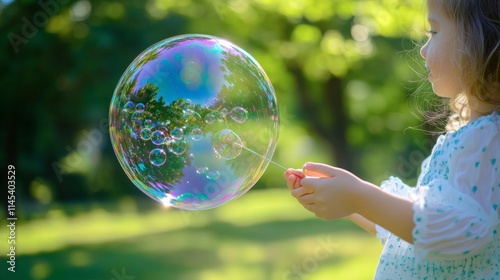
x,y
438,52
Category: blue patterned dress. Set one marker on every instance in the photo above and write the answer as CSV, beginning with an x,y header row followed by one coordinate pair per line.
x,y
456,204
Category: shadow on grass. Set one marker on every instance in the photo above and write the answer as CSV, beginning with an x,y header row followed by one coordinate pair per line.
x,y
280,230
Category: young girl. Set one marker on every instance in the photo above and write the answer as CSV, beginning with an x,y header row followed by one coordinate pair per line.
x,y
448,227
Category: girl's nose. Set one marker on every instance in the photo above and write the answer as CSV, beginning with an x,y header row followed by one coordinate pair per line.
x,y
423,50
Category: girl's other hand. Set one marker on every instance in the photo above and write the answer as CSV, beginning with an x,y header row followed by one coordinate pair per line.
x,y
294,182
293,178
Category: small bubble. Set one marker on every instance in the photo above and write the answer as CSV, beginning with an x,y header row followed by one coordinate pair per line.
x,y
146,134
177,147
139,107
167,140
157,157
162,128
196,134
192,118
213,103
202,170
137,117
177,133
213,175
148,123
191,157
129,106
221,118
224,112
239,114
158,137
210,118
227,144
163,124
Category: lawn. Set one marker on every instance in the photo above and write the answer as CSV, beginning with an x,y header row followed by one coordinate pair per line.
x,y
263,235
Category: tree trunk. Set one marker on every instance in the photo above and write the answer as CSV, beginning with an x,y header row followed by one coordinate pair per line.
x,y
333,127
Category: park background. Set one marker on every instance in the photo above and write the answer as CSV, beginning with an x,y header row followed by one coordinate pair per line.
x,y
349,83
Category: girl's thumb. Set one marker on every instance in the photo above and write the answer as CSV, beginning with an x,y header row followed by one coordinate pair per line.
x,y
319,170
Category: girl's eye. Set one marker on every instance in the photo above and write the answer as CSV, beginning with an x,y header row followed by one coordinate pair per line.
x,y
431,32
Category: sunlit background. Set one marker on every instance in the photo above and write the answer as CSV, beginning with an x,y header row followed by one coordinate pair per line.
x,y
345,73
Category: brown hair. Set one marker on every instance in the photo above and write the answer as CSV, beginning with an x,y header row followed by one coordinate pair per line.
x,y
477,55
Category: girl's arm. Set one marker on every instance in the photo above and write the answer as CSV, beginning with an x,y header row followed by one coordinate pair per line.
x,y
392,212
363,223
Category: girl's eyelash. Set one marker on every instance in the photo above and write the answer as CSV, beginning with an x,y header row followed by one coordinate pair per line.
x,y
431,32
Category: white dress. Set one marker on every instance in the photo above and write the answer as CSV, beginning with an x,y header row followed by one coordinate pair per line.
x,y
456,204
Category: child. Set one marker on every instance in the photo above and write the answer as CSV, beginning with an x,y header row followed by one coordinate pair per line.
x,y
448,227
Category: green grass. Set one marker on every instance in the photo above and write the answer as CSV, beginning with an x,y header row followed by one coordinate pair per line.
x,y
262,235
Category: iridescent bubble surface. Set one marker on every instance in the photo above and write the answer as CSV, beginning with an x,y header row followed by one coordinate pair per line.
x,y
184,116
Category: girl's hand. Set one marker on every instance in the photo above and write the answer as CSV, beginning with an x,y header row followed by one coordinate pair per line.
x,y
331,193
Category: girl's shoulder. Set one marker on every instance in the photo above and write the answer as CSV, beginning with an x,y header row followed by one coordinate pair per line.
x,y
481,135
483,128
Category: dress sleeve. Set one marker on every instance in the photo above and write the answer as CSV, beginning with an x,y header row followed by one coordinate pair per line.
x,y
456,213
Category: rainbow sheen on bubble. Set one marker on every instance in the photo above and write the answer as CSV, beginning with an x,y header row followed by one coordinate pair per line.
x,y
185,115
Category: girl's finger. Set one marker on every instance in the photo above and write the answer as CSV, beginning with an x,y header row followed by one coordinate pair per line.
x,y
296,172
307,199
298,192
319,170
292,182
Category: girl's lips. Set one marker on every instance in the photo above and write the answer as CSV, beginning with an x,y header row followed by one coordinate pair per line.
x,y
429,75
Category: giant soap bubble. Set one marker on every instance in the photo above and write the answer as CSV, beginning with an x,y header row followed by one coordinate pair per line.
x,y
192,121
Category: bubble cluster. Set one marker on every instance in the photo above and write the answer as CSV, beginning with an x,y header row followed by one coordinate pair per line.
x,y
183,117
